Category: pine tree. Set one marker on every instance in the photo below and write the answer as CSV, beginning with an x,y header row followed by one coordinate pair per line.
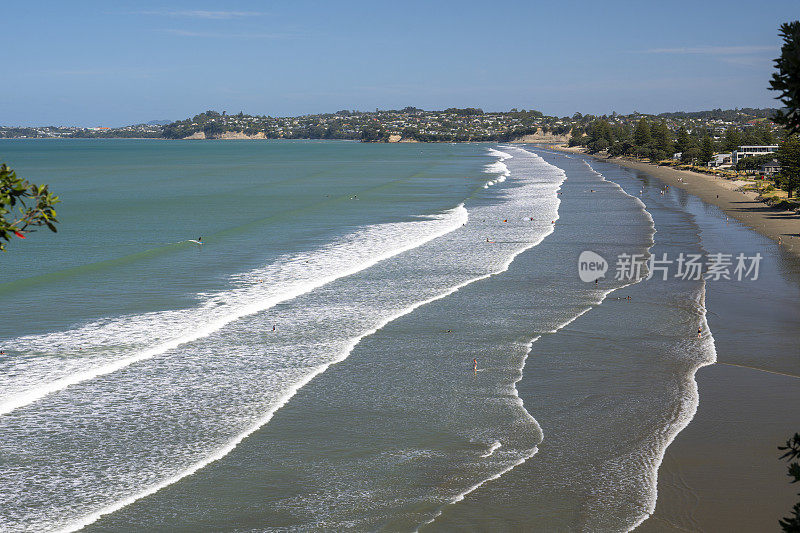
x,y
707,149
683,141
641,135
733,139
789,157
787,78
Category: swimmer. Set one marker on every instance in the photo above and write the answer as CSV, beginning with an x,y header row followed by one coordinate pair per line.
x,y
273,327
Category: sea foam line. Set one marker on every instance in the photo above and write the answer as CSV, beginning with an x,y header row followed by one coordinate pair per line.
x,y
603,295
686,417
459,218
495,445
231,445
498,167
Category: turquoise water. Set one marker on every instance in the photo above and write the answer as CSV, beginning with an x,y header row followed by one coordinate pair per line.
x,y
310,366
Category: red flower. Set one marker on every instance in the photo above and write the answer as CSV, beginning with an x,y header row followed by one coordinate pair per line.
x,y
18,234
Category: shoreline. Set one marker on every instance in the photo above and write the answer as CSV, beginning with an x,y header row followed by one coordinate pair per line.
x,y
743,206
701,485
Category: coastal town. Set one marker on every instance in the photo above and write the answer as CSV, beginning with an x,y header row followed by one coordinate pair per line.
x,y
735,144
408,124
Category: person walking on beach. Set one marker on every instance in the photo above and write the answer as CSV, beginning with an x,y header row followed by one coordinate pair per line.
x,y
475,365
699,331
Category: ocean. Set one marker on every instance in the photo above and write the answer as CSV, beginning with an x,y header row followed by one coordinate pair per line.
x,y
310,366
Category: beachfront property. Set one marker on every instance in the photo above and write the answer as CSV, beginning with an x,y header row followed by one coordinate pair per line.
x,y
770,168
748,151
721,160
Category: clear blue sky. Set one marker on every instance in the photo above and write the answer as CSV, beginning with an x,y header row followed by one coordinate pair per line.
x,y
113,63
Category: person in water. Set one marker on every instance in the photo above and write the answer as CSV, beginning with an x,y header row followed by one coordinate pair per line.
x,y
699,331
475,364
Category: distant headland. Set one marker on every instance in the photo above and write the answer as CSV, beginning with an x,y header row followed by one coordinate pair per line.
x,y
405,125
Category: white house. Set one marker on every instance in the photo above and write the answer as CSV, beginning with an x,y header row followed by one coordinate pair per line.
x,y
747,151
719,160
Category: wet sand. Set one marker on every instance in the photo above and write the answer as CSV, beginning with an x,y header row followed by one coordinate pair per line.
x,y
743,206
722,472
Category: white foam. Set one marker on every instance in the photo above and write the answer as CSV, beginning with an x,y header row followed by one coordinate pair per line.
x,y
550,185
498,167
601,299
293,276
495,445
687,414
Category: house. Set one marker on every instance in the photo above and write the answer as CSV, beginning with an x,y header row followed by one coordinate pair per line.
x,y
720,160
770,168
747,151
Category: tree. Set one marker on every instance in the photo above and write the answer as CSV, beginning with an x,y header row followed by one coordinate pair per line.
x,y
374,132
576,137
641,135
733,139
754,162
662,141
789,158
787,78
691,154
34,206
683,141
212,129
791,524
706,149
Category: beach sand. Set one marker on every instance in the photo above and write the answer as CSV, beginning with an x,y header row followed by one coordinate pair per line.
x,y
743,206
722,472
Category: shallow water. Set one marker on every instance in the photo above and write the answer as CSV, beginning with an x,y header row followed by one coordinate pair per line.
x,y
310,366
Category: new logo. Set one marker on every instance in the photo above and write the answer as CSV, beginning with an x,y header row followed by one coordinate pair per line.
x,y
591,266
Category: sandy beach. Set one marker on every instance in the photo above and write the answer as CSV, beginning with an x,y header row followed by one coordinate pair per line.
x,y
779,225
722,473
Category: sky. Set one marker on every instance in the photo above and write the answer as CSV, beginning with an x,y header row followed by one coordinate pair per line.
x,y
100,63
